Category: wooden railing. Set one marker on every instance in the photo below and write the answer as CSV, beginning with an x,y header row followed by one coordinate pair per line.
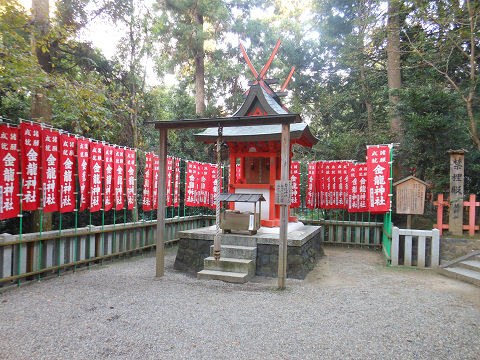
x,y
32,255
471,205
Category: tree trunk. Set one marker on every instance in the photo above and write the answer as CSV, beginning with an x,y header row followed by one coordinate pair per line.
x,y
473,126
367,101
40,109
199,68
394,69
133,115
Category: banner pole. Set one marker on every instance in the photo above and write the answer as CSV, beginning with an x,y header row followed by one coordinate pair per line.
x,y
59,241
20,222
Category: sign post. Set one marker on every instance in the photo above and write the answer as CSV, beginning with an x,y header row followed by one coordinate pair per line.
x,y
457,164
410,196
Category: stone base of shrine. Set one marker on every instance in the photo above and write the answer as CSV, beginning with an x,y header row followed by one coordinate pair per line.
x,y
303,249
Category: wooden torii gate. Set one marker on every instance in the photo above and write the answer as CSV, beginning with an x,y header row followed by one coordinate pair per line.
x,y
163,126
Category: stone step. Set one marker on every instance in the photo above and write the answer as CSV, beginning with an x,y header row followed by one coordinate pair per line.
x,y
467,275
228,276
237,252
230,264
470,264
239,240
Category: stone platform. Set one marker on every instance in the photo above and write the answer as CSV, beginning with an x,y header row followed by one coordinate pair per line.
x,y
303,249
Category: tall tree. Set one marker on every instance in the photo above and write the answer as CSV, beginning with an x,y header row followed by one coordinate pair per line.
x,y
184,27
394,71
448,41
41,108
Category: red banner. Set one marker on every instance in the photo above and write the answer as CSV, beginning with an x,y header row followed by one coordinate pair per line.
x,y
83,172
67,179
155,170
357,188
176,187
190,184
130,171
311,184
329,198
353,187
147,182
169,180
322,185
31,152
118,177
9,168
96,172
108,177
378,171
295,179
362,190
213,180
50,169
204,184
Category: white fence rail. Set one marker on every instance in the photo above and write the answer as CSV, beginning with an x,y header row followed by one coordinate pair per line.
x,y
420,248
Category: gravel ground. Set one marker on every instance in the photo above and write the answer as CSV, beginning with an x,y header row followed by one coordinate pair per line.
x,y
350,307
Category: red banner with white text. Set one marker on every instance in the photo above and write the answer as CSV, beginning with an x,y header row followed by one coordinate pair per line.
x,y
83,146
169,180
147,182
311,180
155,174
176,187
130,173
30,141
96,173
108,177
119,177
9,168
295,180
378,173
67,173
50,169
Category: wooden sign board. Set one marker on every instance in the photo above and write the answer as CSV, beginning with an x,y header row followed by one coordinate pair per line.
x,y
283,192
410,196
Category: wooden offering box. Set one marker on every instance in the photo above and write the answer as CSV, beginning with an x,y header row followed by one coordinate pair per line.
x,y
241,220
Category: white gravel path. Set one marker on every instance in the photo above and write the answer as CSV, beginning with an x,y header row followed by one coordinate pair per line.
x,y
350,307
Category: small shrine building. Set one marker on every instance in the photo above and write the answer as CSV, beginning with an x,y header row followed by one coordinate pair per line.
x,y
256,149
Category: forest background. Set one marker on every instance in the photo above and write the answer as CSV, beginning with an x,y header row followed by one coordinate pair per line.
x,y
367,72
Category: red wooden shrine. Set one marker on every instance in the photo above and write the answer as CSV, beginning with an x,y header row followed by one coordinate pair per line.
x,y
256,149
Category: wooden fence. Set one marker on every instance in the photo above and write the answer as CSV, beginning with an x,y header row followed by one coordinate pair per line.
x,y
470,205
54,251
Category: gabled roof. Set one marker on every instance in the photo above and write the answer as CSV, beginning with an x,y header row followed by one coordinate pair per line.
x,y
299,134
258,96
260,102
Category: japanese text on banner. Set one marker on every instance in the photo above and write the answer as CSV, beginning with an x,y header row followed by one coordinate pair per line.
x,y
9,168
119,177
295,180
108,177
67,173
147,183
30,135
176,198
96,170
130,173
50,169
83,172
378,171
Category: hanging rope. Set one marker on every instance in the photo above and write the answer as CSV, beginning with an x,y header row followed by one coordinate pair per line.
x,y
216,242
